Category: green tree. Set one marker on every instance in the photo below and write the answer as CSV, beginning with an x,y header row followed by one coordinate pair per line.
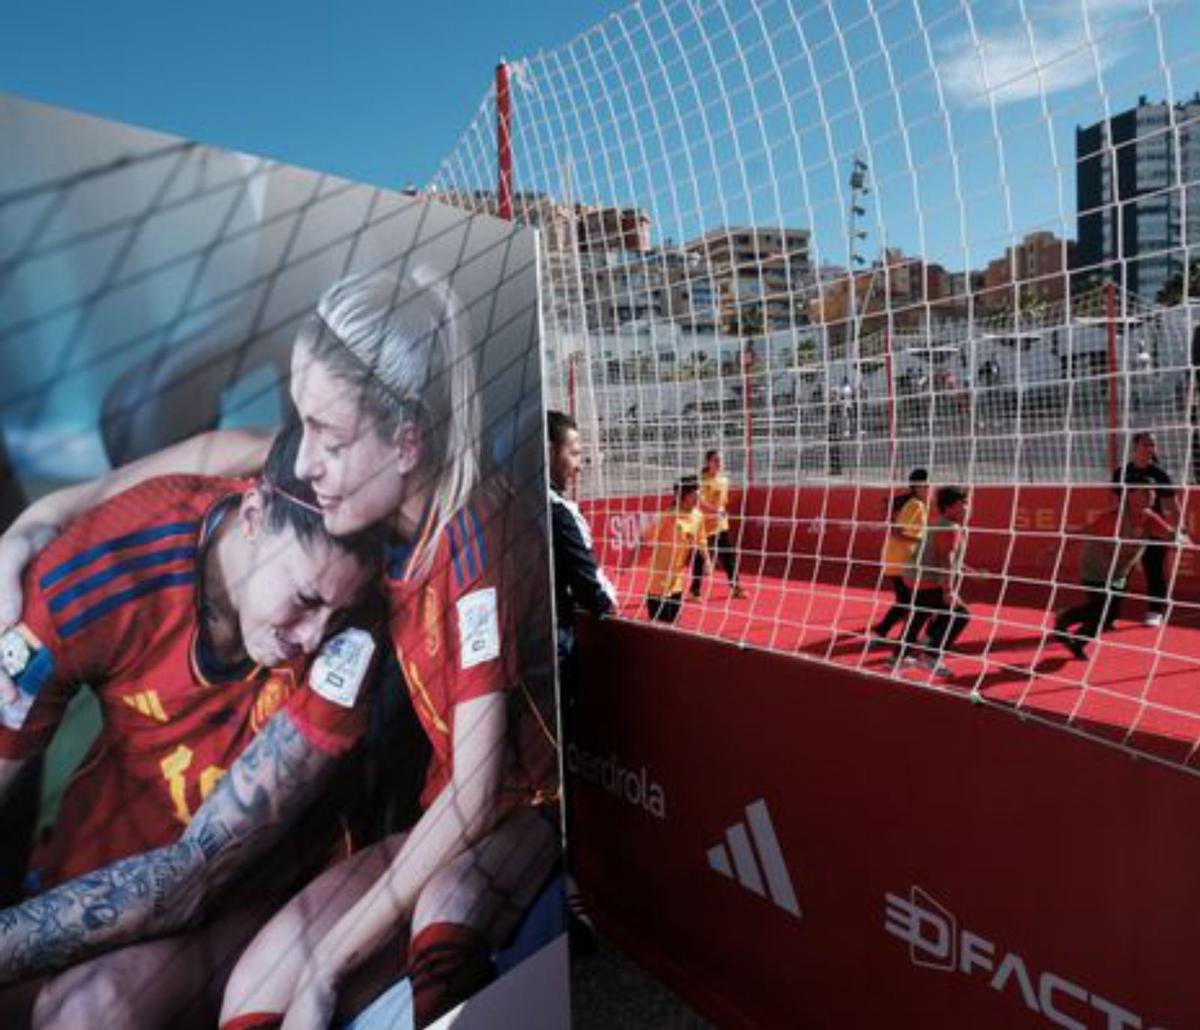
x,y
806,351
1172,289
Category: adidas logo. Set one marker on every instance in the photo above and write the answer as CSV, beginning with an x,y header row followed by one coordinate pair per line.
x,y
148,704
751,868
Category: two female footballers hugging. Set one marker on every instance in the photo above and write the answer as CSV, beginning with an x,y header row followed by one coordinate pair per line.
x,y
191,599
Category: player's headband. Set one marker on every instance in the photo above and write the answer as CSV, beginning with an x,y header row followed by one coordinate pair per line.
x,y
299,502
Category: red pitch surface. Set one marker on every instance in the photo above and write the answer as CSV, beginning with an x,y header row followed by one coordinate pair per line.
x,y
1139,687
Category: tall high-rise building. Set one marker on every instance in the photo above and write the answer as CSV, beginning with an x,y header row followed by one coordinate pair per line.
x,y
763,276
1138,194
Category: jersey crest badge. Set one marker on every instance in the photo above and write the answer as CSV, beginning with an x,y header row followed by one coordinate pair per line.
x,y
270,698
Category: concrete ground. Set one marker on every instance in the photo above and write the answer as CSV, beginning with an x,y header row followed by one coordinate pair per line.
x,y
609,991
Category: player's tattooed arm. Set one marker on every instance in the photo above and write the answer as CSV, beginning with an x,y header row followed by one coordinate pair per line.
x,y
167,889
272,782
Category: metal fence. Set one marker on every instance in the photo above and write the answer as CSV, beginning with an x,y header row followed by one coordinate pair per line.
x,y
1056,405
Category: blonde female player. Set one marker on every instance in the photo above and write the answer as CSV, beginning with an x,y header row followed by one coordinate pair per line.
x,y
390,415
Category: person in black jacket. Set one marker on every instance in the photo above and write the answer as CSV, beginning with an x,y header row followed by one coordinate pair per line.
x,y
578,579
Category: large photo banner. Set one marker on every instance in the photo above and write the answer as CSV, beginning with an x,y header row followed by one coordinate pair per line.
x,y
277,702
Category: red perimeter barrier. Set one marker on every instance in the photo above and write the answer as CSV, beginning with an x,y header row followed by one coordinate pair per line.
x,y
791,844
837,533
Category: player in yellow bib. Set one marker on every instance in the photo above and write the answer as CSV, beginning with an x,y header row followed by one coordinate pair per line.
x,y
714,507
908,514
678,534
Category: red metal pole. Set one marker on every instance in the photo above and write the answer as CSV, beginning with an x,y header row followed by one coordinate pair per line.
x,y
1113,396
571,385
749,414
891,395
504,142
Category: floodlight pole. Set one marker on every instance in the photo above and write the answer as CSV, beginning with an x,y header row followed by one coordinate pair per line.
x,y
503,143
858,189
859,170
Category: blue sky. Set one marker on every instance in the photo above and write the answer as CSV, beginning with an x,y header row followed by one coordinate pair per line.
x,y
723,113
970,138
371,90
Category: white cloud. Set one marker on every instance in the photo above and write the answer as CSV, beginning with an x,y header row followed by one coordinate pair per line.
x,y
1003,68
1102,7
1000,64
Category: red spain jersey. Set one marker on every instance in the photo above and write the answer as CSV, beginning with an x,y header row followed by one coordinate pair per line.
x,y
114,603
453,627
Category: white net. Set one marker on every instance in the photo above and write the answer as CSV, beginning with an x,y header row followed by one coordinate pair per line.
x,y
840,241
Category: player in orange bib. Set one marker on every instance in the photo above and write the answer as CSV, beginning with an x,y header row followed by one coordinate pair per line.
x,y
714,506
678,535
908,514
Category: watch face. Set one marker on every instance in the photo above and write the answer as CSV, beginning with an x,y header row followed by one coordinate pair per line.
x,y
14,653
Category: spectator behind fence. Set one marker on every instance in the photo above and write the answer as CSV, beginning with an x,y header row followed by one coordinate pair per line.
x,y
578,579
1157,554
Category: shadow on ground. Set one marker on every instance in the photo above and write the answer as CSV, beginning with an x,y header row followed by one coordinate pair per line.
x,y
609,991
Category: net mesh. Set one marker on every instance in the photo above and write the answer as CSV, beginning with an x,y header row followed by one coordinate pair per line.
x,y
840,241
